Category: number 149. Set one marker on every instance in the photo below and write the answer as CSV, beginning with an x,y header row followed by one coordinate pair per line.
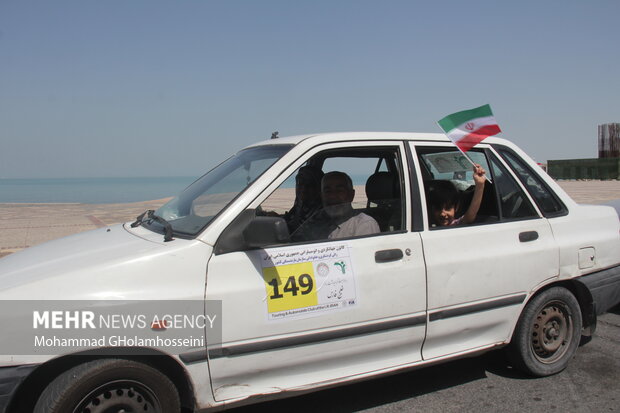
x,y
293,285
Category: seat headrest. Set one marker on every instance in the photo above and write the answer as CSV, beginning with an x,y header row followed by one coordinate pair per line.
x,y
382,186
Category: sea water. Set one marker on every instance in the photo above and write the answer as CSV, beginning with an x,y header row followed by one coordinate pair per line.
x,y
91,190
104,190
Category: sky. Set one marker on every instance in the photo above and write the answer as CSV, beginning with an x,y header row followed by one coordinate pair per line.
x,y
113,88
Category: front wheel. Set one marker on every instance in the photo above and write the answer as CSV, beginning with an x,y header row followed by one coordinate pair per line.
x,y
110,385
547,334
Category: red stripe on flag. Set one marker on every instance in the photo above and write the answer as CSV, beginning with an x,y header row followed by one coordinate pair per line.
x,y
469,141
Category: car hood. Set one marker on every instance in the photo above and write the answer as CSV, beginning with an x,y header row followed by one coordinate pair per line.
x,y
106,263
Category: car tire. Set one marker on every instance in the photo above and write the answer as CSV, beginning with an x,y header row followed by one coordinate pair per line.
x,y
109,385
547,333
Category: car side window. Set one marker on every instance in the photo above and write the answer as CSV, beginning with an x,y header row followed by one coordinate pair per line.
x,y
514,204
341,193
548,203
449,183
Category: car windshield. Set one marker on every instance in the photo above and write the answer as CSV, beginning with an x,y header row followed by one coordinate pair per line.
x,y
200,202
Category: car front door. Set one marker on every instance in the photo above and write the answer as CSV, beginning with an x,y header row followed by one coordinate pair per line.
x,y
316,312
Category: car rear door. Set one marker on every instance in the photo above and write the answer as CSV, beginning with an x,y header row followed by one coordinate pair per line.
x,y
479,275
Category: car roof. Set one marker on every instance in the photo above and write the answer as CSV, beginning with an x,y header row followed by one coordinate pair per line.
x,y
319,138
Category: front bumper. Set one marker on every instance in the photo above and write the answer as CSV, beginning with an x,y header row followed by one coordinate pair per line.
x,y
10,379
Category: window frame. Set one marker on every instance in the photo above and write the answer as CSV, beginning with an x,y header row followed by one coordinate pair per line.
x,y
489,153
346,147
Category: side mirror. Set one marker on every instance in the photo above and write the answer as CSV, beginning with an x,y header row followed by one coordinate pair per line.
x,y
251,231
262,231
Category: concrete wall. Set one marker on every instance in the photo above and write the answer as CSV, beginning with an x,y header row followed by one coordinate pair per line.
x,y
602,168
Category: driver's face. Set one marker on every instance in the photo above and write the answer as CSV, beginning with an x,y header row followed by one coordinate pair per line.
x,y
335,191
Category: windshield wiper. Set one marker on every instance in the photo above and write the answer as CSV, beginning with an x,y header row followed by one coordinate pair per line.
x,y
150,214
140,218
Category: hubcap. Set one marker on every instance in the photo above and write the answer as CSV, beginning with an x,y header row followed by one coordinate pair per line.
x,y
119,397
552,332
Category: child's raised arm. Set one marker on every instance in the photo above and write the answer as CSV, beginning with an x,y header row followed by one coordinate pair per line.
x,y
472,211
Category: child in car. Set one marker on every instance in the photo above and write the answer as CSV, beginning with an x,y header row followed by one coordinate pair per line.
x,y
444,201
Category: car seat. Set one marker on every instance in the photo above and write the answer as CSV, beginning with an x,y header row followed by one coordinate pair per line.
x,y
384,200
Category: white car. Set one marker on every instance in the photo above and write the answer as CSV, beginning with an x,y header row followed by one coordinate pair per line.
x,y
286,307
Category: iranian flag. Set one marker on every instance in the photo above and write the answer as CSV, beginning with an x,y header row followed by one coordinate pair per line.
x,y
470,127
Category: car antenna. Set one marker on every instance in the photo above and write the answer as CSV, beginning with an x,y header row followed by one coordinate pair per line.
x,y
274,135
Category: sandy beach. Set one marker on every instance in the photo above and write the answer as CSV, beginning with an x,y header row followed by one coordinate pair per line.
x,y
25,225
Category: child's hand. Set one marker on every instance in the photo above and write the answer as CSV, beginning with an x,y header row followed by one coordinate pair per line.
x,y
474,206
479,175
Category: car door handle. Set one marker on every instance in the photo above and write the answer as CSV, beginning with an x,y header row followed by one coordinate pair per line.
x,y
528,236
388,255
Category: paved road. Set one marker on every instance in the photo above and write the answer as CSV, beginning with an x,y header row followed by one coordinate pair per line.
x,y
590,384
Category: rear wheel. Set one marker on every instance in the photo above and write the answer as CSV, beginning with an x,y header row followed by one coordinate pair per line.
x,y
547,334
110,386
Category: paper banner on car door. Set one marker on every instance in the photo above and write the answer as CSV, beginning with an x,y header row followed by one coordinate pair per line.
x,y
307,282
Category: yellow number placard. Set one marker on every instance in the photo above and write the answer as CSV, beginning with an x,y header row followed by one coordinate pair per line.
x,y
290,287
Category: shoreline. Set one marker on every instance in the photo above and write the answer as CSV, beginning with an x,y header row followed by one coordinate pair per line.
x,y
582,191
23,225
162,200
29,224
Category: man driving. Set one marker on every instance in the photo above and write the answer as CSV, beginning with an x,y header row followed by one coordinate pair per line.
x,y
337,219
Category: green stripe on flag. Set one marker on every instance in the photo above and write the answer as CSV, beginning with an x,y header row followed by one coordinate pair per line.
x,y
452,121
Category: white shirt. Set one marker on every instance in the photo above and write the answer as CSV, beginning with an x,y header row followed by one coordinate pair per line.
x,y
360,224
